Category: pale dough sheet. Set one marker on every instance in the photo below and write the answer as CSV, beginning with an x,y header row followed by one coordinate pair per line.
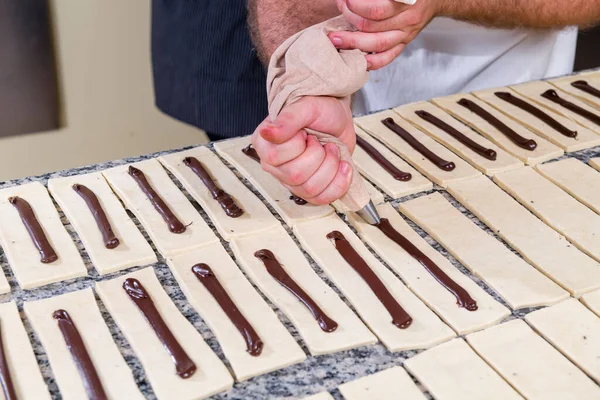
x,y
519,284
370,169
453,371
350,333
592,301
503,162
133,249
539,244
595,163
555,207
197,232
376,197
373,126
23,257
426,330
543,152
585,137
4,285
422,283
564,84
280,349
256,216
392,383
319,396
531,365
115,376
575,178
574,330
276,194
22,363
210,378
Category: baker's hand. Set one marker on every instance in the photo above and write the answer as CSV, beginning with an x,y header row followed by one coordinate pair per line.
x,y
384,27
308,169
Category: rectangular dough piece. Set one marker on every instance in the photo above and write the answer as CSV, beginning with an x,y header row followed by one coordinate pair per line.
x,y
276,194
280,349
350,333
543,152
376,197
564,84
115,376
211,376
23,257
453,371
592,301
392,383
256,216
503,161
319,396
574,331
373,126
370,169
537,243
595,163
422,283
519,284
530,364
133,249
197,233
22,363
555,207
426,330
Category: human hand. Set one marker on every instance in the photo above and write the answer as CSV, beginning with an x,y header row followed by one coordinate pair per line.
x,y
307,168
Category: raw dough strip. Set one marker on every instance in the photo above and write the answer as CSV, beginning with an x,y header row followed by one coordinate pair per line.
x,y
426,329
453,371
537,243
23,257
592,301
373,126
211,376
422,283
319,396
519,284
392,383
595,163
555,207
280,349
530,364
133,248
196,234
350,333
115,376
565,84
256,216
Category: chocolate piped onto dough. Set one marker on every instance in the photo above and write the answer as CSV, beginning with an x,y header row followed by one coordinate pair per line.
x,y
400,318
184,365
551,95
254,345
275,269
450,130
222,197
382,161
415,144
586,87
536,112
174,224
527,144
108,236
463,299
85,366
36,232
5,378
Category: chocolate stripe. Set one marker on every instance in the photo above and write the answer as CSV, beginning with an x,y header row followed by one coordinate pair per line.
x,y
476,147
463,298
85,366
174,224
415,144
555,98
110,241
527,144
222,197
536,112
382,161
254,345
400,318
275,269
586,87
36,232
184,365
5,379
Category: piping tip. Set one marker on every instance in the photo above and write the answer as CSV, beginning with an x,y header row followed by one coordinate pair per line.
x,y
369,214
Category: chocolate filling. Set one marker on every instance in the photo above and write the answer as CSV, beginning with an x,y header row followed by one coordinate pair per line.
x,y
110,241
5,379
382,161
36,232
586,87
551,95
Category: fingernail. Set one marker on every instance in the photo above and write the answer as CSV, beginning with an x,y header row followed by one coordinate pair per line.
x,y
369,65
336,40
346,168
333,149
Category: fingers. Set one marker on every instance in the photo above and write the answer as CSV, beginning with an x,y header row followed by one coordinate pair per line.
x,y
300,169
338,186
380,60
376,10
279,154
292,119
322,177
365,24
368,42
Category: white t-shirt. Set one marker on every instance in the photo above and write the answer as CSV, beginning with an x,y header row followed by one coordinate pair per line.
x,y
451,56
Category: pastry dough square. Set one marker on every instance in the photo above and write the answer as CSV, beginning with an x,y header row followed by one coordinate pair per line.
x,y
592,301
392,383
564,84
595,163
319,396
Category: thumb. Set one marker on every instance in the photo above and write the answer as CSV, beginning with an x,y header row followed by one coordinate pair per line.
x,y
291,119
